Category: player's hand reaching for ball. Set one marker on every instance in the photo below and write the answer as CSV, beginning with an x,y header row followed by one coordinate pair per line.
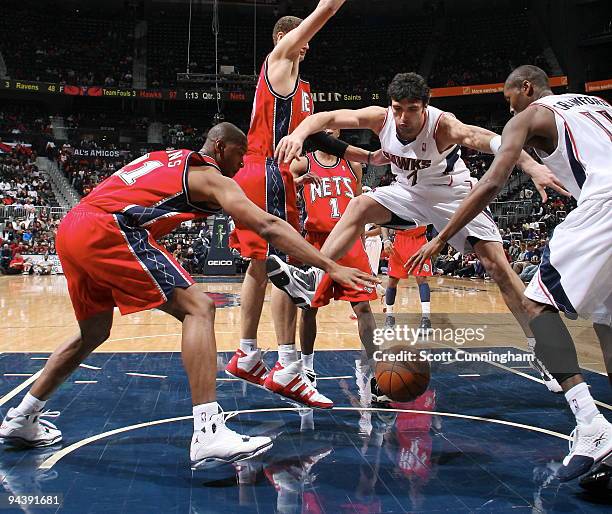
x,y
424,254
351,277
289,148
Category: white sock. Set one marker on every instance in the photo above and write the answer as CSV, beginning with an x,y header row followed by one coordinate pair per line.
x,y
389,309
287,354
582,404
202,413
426,309
248,345
531,342
308,360
30,404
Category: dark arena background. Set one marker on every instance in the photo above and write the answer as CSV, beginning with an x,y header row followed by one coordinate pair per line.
x,y
87,87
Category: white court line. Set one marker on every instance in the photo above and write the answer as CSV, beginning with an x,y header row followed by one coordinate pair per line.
x,y
146,375
19,388
529,377
87,366
85,381
469,375
56,457
18,374
39,358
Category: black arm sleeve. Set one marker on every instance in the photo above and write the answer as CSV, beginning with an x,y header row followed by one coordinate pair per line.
x,y
327,144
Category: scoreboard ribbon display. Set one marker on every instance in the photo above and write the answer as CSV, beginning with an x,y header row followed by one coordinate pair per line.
x,y
207,95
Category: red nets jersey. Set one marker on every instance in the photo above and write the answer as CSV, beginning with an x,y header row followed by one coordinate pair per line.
x,y
275,116
410,233
325,203
152,191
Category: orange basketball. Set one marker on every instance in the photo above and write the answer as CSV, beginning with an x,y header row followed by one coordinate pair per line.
x,y
402,374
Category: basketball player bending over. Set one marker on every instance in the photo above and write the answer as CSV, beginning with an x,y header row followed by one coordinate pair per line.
x,y
423,145
108,250
573,136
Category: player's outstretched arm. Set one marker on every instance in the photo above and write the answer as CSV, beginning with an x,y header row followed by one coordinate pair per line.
x,y
212,187
513,139
290,45
291,146
452,131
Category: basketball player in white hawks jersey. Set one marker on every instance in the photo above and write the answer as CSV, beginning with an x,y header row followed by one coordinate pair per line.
x,y
422,143
573,135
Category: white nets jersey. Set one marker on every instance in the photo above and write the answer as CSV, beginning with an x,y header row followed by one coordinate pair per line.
x,y
419,163
581,160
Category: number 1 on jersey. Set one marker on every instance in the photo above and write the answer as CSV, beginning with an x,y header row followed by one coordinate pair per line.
x,y
335,211
129,177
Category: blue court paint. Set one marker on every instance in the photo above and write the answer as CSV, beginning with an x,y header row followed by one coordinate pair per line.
x,y
349,461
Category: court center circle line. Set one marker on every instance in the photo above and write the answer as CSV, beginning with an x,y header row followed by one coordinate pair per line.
x,y
56,457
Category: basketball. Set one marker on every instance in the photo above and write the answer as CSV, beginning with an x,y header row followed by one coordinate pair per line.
x,y
401,374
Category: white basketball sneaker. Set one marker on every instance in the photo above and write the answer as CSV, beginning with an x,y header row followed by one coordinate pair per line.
x,y
292,383
30,430
590,444
300,285
217,444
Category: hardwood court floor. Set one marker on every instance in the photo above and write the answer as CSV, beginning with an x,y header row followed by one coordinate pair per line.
x,y
37,316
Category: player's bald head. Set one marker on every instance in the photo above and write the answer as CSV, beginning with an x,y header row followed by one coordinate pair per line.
x,y
228,133
527,73
525,85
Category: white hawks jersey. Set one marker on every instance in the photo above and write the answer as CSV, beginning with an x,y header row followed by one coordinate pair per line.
x,y
582,159
419,163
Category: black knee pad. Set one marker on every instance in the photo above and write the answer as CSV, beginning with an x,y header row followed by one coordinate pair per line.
x,y
555,346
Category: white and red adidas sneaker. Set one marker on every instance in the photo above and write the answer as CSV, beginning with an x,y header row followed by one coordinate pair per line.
x,y
249,367
291,382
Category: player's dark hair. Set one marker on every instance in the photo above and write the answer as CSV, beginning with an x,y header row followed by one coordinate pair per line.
x,y
284,25
409,86
527,72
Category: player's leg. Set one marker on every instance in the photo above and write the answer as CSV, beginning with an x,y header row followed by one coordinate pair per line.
x,y
93,331
308,335
284,316
291,377
390,297
555,347
212,440
604,334
366,325
361,210
23,424
602,323
493,258
425,298
247,363
565,282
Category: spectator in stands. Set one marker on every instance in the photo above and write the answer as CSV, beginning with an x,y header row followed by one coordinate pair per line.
x,y
531,269
16,265
514,250
520,265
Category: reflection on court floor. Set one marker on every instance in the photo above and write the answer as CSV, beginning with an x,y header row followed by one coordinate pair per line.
x,y
481,438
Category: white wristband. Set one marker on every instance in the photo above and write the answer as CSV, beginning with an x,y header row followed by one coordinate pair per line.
x,y
495,144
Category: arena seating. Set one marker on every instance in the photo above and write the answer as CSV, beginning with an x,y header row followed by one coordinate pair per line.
x,y
494,35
